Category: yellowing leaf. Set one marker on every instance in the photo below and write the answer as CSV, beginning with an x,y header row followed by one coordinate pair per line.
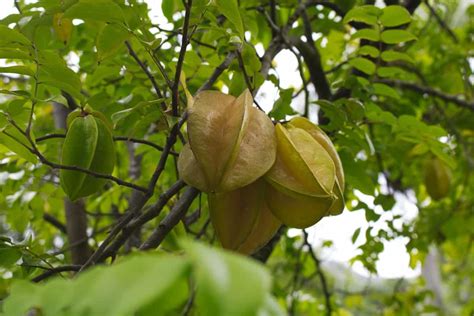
x,y
63,27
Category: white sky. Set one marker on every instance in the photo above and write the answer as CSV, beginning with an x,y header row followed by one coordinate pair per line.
x,y
394,259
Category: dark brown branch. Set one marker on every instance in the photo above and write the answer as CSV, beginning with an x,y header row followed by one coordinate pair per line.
x,y
264,253
247,78
55,222
170,141
171,220
312,59
17,6
54,165
335,68
117,228
179,65
218,71
149,214
144,142
49,136
116,138
244,71
53,271
430,91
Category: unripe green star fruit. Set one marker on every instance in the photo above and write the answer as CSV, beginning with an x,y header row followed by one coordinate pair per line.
x,y
89,145
241,218
231,143
437,178
306,182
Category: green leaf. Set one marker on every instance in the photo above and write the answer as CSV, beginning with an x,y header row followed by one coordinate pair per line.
x,y
363,64
136,120
149,277
391,55
167,6
371,216
369,51
282,106
9,53
367,14
389,71
16,142
18,93
386,201
99,10
356,174
110,39
335,113
222,288
13,36
54,72
384,90
376,115
230,9
397,36
355,109
21,70
369,34
8,255
394,15
355,235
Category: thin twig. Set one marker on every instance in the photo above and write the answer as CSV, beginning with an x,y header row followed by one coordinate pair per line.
x,y
116,138
55,222
441,22
430,91
54,165
34,150
179,65
319,271
53,271
218,71
147,72
149,214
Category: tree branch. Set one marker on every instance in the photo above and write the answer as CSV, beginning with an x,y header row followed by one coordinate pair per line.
x,y
430,91
53,271
441,23
171,220
54,165
34,150
179,65
149,214
322,277
116,138
218,71
147,72
55,222
264,253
